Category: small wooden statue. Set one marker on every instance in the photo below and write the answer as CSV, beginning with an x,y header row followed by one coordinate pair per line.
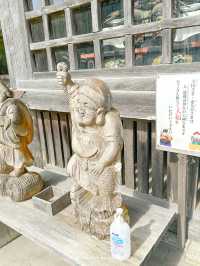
x,y
96,143
16,133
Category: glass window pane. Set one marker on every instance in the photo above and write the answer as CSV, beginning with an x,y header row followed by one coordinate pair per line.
x,y
60,54
57,26
36,29
54,2
112,13
85,55
33,4
186,45
40,61
148,49
145,11
113,53
82,19
186,8
3,62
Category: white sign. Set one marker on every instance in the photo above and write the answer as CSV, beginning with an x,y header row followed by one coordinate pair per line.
x,y
178,113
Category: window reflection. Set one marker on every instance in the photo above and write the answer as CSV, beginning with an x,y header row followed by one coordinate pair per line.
x,y
113,53
85,55
60,54
187,8
33,4
148,49
186,45
145,11
40,61
36,29
57,25
112,13
82,19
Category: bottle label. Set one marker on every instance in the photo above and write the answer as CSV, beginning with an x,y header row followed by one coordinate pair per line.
x,y
117,241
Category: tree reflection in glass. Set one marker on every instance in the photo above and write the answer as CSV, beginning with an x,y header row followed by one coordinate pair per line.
x,y
146,11
112,13
148,49
186,8
186,45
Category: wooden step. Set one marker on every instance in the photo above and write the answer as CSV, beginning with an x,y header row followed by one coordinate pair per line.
x,y
149,221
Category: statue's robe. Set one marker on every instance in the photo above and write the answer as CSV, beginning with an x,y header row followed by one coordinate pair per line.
x,y
16,132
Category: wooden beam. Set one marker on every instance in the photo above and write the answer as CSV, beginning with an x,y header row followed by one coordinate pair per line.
x,y
129,156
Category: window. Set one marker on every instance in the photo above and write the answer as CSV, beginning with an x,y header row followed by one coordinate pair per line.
x,y
33,4
40,61
103,33
186,45
148,49
57,25
60,54
82,19
54,2
36,30
186,8
85,55
112,13
145,11
113,52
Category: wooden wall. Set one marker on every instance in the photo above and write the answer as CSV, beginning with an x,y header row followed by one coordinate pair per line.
x,y
145,169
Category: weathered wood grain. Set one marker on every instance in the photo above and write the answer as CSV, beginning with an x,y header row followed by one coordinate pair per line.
x,y
157,159
143,156
49,139
56,133
60,234
35,146
129,155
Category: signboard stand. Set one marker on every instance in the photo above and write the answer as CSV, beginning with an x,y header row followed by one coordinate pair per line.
x,y
182,199
178,131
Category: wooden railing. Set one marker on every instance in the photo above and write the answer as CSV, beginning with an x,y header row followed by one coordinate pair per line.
x,y
145,169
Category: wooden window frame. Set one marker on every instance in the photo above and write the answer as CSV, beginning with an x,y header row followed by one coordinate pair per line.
x,y
128,30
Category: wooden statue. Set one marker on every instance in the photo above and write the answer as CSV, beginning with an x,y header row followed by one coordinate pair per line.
x,y
16,133
96,143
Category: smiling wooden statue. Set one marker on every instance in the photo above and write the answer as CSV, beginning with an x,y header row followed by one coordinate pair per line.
x,y
96,143
16,133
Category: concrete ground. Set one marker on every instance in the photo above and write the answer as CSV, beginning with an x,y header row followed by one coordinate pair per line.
x,y
23,252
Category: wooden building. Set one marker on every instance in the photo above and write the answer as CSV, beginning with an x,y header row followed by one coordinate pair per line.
x,y
127,43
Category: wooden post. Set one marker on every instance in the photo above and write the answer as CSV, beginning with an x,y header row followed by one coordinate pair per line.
x,y
182,199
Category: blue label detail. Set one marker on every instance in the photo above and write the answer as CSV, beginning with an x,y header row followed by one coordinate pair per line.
x,y
117,240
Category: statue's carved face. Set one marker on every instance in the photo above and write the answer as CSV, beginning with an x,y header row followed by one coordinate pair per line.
x,y
3,97
85,111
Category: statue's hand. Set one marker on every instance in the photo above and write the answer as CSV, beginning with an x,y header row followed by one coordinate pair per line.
x,y
63,76
96,168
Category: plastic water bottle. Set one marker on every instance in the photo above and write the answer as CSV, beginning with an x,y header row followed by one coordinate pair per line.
x,y
120,237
